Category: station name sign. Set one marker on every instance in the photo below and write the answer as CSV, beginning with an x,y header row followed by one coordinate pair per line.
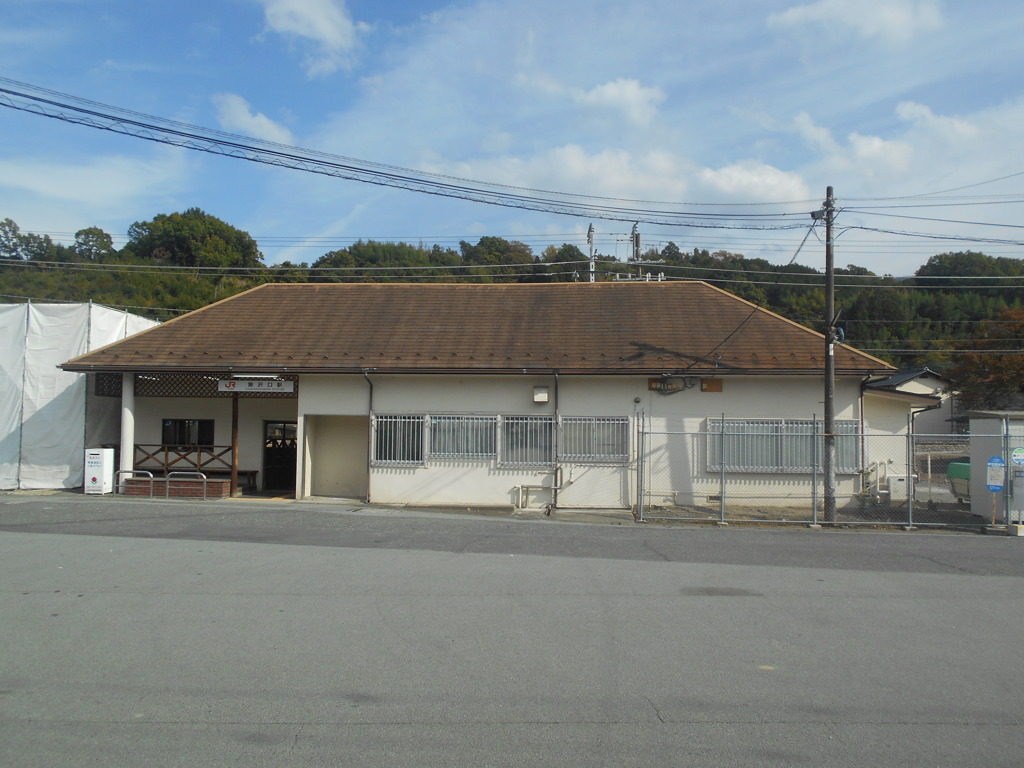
x,y
255,385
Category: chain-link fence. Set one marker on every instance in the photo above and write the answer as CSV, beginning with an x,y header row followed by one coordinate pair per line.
x,y
772,471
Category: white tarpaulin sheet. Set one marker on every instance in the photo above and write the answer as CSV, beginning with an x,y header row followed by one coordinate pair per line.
x,y
44,417
13,323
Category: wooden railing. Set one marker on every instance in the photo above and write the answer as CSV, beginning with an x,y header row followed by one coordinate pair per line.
x,y
183,458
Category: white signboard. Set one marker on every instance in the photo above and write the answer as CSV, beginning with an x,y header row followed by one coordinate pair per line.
x,y
996,475
255,385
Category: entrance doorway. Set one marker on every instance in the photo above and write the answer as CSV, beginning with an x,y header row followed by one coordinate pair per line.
x,y
279,453
338,456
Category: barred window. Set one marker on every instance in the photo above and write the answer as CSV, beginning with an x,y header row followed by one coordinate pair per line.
x,y
779,445
398,439
586,438
527,440
463,436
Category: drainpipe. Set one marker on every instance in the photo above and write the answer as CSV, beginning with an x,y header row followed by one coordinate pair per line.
x,y
369,437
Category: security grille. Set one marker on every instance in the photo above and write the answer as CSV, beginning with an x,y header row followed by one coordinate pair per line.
x,y
778,445
594,440
463,436
527,441
398,439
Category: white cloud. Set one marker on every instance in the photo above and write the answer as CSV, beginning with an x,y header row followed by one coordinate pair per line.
x,y
819,137
323,26
896,21
751,180
648,175
571,168
102,182
625,96
637,102
890,155
868,155
923,117
234,114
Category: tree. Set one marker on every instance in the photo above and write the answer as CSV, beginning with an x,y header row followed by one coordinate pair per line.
x,y
10,240
993,376
39,247
333,260
500,258
193,239
93,244
672,255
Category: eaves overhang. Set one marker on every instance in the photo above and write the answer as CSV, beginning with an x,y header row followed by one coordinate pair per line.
x,y
512,370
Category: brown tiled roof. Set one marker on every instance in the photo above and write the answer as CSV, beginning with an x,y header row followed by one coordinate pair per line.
x,y
648,328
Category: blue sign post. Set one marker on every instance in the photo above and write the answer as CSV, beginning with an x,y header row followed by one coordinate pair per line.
x,y
996,480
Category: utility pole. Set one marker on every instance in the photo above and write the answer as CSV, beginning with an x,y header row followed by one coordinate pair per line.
x,y
829,454
590,242
637,258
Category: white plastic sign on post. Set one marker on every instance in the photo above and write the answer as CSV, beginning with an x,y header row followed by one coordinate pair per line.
x,y
996,476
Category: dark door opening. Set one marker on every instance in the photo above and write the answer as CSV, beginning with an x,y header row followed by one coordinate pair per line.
x,y
280,448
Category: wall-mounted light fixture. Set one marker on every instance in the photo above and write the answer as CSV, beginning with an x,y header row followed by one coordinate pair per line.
x,y
540,394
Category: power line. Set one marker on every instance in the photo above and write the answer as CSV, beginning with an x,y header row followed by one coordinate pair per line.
x,y
803,279
52,104
928,236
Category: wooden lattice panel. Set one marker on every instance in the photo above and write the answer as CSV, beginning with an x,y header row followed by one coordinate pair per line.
x,y
197,385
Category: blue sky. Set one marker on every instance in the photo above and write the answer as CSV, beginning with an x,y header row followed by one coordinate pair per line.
x,y
697,102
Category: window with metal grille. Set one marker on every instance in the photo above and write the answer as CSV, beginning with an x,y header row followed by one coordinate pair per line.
x,y
398,439
779,445
463,436
592,439
527,440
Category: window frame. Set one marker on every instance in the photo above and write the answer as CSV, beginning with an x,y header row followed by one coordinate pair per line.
x,y
536,438
389,430
603,431
465,436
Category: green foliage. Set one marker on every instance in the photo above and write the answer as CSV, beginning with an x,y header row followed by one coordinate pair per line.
x,y
10,244
192,239
26,246
993,377
911,322
93,244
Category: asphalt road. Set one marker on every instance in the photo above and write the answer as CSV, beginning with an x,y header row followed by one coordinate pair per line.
x,y
238,633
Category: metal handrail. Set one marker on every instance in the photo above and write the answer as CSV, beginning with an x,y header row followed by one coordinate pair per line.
x,y
117,478
167,481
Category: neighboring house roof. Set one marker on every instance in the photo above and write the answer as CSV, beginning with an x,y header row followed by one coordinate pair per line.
x,y
573,328
902,377
893,386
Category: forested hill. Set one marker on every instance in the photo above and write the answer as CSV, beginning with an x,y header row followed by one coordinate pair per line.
x,y
955,304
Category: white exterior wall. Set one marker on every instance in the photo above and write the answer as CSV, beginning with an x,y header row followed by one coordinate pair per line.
x,y
678,471
678,464
462,481
937,421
